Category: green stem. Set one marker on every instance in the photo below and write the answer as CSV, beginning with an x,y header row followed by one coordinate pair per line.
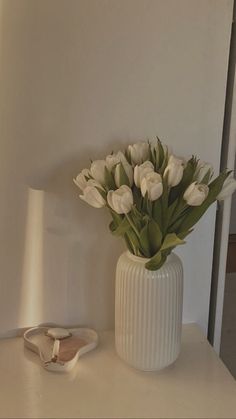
x,y
129,244
164,206
178,212
176,219
132,225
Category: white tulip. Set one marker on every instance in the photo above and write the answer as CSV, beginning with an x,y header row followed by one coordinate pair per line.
x,y
174,171
141,171
81,179
196,194
175,160
113,159
97,170
121,200
128,170
228,189
152,185
92,182
138,152
203,169
92,196
167,149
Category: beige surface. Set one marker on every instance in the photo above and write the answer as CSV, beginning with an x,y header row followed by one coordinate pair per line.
x,y
196,386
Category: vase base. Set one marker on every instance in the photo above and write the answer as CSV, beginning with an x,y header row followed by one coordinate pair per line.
x,y
149,369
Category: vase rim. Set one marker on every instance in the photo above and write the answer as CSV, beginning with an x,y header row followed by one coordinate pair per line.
x,y
137,258
144,260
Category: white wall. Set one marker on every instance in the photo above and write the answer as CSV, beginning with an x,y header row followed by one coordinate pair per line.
x,y
79,79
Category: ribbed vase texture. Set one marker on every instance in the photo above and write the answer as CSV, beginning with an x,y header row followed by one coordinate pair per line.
x,y
148,312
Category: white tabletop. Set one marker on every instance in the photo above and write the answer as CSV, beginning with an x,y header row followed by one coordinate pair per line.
x,y
198,385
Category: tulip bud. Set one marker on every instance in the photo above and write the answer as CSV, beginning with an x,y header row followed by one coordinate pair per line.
x,y
121,200
141,171
228,189
202,170
113,159
119,170
138,152
152,185
81,179
92,196
174,171
92,182
175,160
97,170
196,194
155,148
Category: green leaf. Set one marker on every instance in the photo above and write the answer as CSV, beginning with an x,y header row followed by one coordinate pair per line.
x,y
117,218
175,226
128,243
171,240
155,262
144,241
171,211
145,204
176,214
122,228
130,237
164,205
112,226
207,177
150,238
137,217
136,213
154,236
156,158
134,242
137,197
124,180
161,152
109,179
183,234
149,208
157,212
164,163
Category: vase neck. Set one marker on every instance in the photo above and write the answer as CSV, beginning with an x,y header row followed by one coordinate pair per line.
x,y
144,260
136,258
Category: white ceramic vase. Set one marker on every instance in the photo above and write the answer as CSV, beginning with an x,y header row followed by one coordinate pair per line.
x,y
148,312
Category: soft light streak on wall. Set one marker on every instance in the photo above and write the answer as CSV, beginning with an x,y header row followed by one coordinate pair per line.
x,y
31,304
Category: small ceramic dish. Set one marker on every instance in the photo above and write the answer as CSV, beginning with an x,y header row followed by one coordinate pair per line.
x,y
60,348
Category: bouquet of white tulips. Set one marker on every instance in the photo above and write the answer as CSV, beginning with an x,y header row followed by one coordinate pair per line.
x,y
154,198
